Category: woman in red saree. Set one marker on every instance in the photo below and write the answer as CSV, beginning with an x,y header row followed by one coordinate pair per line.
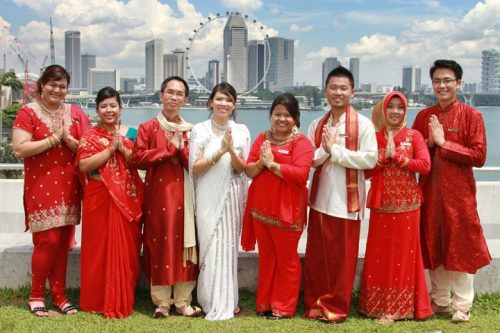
x,y
111,227
393,284
45,135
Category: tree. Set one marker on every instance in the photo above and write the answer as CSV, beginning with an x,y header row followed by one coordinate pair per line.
x,y
9,114
9,80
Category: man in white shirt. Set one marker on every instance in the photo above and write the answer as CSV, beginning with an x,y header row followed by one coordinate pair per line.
x,y
345,145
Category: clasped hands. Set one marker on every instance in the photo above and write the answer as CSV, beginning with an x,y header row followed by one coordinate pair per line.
x,y
436,132
61,133
328,138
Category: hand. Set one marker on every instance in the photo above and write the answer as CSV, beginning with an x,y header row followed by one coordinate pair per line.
x,y
436,131
328,138
227,141
117,142
390,148
58,129
266,154
173,138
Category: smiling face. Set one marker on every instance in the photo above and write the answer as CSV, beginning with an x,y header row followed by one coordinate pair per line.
x,y
282,122
395,113
445,85
173,97
54,92
339,92
222,106
109,111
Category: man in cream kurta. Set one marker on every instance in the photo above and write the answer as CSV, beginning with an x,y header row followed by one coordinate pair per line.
x,y
345,145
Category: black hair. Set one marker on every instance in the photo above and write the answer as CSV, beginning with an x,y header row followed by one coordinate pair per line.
x,y
290,103
176,78
105,93
450,64
226,89
340,72
54,73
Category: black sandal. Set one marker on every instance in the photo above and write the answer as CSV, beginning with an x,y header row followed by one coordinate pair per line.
x,y
68,308
37,309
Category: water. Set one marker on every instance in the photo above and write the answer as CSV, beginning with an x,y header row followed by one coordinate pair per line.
x,y
258,121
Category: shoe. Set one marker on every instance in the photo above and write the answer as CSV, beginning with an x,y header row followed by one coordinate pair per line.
x,y
264,314
460,317
385,320
189,311
68,309
39,311
440,308
273,316
161,312
237,311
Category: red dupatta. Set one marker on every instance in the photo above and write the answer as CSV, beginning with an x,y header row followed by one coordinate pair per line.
x,y
123,183
351,143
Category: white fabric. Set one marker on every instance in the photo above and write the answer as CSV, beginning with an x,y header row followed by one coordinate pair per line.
x,y
189,252
220,197
331,198
162,295
461,284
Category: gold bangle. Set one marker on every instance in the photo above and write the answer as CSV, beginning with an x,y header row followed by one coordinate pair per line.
x,y
47,140
56,139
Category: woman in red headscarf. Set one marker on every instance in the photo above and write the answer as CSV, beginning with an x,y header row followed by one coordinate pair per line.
x,y
393,284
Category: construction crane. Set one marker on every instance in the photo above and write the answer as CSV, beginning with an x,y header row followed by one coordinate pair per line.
x,y
52,52
26,85
42,67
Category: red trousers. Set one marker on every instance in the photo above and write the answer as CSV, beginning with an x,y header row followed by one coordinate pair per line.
x,y
278,283
49,260
329,266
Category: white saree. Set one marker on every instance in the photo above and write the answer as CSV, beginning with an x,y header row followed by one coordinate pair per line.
x,y
220,196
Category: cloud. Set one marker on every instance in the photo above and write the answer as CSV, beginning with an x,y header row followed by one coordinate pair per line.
x,y
243,5
298,29
325,52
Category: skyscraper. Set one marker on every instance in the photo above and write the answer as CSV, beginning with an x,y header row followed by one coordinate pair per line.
x,y
354,68
88,62
236,52
256,63
490,71
174,64
412,78
280,74
213,75
100,78
328,65
154,65
72,57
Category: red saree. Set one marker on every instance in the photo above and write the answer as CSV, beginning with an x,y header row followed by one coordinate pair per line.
x,y
111,231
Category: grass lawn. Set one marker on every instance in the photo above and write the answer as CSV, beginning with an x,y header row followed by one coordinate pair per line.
x,y
15,317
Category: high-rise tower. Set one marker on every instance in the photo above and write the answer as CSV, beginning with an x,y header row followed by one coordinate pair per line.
x,y
490,71
154,65
328,65
88,62
354,68
236,52
280,74
256,63
72,57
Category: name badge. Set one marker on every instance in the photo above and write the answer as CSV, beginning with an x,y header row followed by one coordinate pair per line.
x,y
404,143
342,135
283,151
453,129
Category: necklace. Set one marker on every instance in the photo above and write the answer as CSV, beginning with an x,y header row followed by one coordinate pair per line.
x,y
218,126
52,113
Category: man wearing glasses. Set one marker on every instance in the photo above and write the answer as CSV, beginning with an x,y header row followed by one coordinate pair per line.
x,y
170,262
453,245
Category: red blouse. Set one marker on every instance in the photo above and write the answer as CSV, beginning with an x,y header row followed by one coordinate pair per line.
x,y
52,193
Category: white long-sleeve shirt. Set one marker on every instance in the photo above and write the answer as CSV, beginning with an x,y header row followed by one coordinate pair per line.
x,y
331,198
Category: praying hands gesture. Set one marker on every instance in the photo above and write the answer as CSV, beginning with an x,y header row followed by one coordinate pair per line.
x,y
328,138
436,132
266,155
58,128
390,148
226,144
175,138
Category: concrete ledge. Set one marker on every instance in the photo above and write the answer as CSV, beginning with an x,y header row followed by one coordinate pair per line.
x,y
16,250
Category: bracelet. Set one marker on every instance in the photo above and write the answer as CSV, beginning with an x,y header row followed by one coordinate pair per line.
x,y
215,157
56,139
49,143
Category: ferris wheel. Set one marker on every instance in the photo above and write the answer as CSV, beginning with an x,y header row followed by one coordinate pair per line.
x,y
219,19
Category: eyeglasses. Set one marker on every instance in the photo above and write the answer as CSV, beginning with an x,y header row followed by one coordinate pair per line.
x,y
171,93
446,82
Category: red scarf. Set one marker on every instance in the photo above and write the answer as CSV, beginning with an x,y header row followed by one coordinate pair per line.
x,y
123,183
351,143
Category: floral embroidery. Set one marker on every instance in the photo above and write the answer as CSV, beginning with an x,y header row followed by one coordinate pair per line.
x,y
377,302
48,120
53,217
275,222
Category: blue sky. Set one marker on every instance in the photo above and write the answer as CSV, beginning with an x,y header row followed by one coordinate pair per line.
x,y
385,35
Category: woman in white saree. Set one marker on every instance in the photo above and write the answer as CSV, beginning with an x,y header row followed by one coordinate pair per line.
x,y
218,150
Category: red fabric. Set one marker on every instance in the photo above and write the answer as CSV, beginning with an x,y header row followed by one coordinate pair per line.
x,y
49,260
393,183
52,193
393,282
351,143
124,184
109,256
330,266
163,206
279,270
282,200
450,228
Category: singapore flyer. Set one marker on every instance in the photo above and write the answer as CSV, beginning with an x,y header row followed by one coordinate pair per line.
x,y
229,47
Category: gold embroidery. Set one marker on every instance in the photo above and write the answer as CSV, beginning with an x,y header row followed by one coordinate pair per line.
x,y
54,217
275,222
379,301
49,121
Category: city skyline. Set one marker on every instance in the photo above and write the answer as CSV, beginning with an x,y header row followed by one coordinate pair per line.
x,y
385,39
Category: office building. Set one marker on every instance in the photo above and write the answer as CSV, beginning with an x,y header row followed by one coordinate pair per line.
x,y
256,64
328,65
174,64
88,62
281,66
128,84
490,71
73,58
412,79
235,42
213,75
100,78
354,68
154,65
